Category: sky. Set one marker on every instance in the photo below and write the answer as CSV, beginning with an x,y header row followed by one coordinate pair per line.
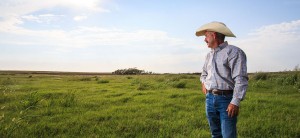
x,y
157,35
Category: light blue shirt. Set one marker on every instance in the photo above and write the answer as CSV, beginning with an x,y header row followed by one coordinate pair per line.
x,y
225,68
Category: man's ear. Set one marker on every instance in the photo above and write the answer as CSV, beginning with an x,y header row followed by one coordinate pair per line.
x,y
215,35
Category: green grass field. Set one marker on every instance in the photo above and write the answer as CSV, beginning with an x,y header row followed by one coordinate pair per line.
x,y
33,105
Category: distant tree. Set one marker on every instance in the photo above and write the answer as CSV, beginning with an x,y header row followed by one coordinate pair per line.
x,y
130,71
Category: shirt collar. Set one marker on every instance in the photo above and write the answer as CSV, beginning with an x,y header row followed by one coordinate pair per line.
x,y
220,47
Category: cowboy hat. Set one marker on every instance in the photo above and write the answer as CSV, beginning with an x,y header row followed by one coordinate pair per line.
x,y
215,27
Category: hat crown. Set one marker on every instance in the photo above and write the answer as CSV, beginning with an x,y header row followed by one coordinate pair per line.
x,y
215,26
219,23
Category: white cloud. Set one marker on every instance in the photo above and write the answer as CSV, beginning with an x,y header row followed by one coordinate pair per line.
x,y
273,47
13,20
42,18
13,12
10,24
23,7
80,18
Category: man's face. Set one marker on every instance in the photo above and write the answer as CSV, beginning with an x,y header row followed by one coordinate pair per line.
x,y
210,39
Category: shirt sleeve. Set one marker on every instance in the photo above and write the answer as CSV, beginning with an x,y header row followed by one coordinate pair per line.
x,y
204,70
238,65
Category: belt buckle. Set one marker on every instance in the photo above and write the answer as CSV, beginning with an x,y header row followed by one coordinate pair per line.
x,y
214,91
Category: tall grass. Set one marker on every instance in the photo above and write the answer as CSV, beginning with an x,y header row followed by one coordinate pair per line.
x,y
139,106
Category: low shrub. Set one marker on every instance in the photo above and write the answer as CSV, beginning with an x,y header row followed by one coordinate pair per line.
x,y
135,81
143,86
291,79
260,76
179,84
103,81
259,84
288,80
85,79
8,81
30,101
68,100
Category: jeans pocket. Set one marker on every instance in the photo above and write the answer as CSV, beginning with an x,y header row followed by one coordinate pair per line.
x,y
206,95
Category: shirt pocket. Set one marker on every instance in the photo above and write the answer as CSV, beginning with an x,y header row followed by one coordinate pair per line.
x,y
222,59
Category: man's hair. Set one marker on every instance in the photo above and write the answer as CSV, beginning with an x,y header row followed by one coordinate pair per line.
x,y
220,36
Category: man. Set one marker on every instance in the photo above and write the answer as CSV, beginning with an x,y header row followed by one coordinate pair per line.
x,y
224,80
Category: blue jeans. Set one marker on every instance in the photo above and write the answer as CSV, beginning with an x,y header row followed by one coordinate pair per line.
x,y
221,125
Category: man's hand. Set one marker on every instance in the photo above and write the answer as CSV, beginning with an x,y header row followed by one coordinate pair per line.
x,y
232,110
204,89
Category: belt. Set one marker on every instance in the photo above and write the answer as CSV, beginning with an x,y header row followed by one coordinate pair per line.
x,y
220,92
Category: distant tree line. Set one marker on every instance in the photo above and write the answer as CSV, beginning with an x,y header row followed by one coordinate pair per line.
x,y
131,71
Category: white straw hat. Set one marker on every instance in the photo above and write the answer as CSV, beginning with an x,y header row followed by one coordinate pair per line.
x,y
214,27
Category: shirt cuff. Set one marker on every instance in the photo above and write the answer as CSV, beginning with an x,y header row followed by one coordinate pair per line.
x,y
202,80
235,101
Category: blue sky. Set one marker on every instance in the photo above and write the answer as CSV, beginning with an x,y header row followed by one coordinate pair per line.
x,y
157,35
